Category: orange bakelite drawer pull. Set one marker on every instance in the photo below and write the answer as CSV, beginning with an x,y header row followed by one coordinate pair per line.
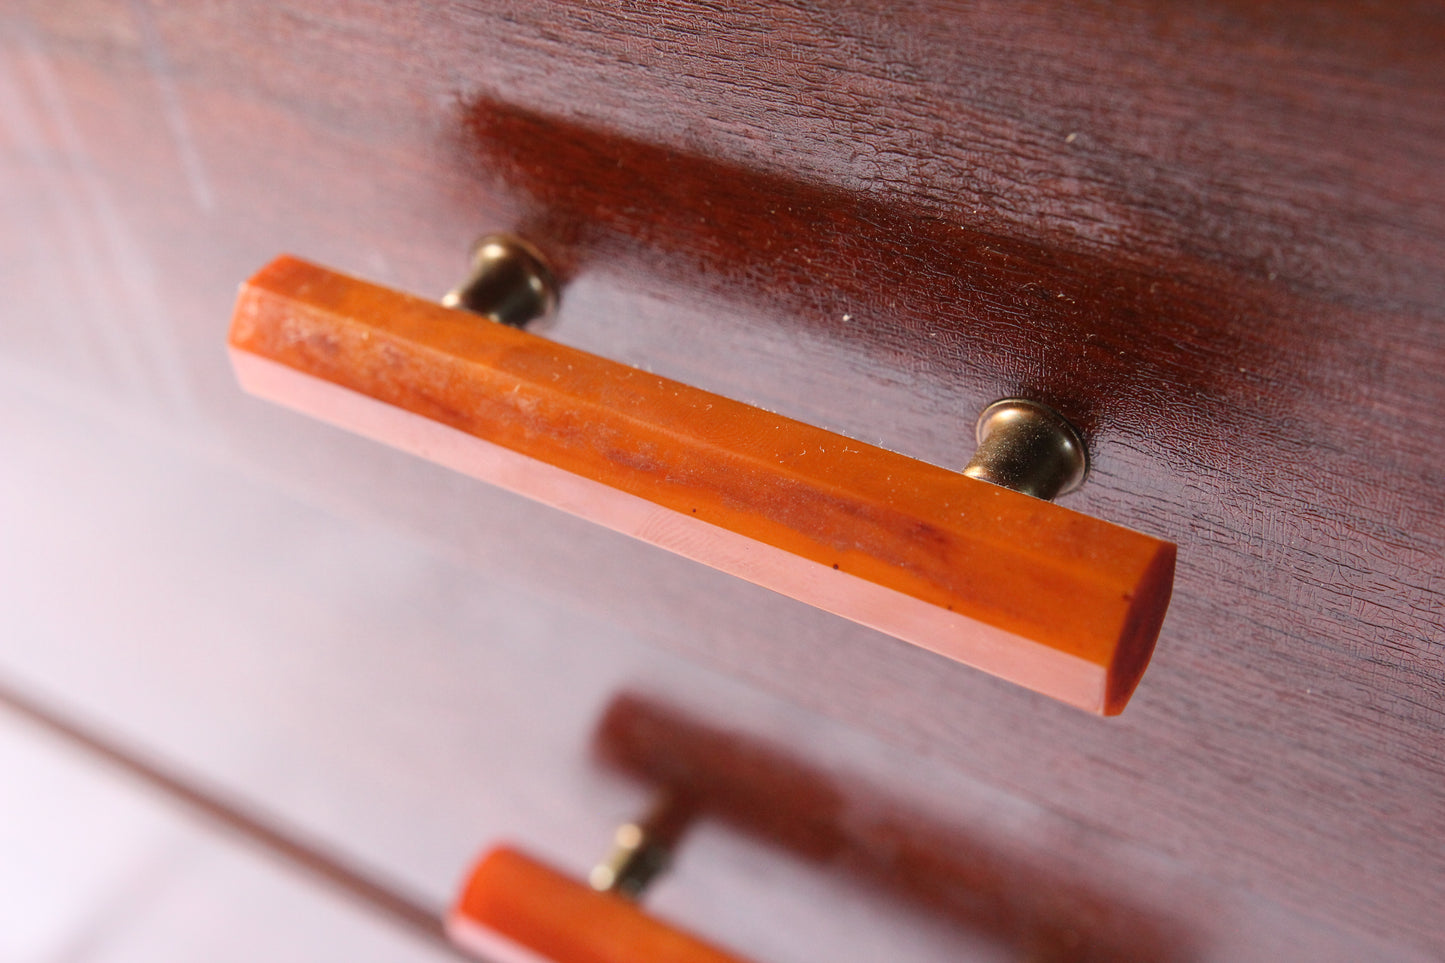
x,y
515,909
1062,603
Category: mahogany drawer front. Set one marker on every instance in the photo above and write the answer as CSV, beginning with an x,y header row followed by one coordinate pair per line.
x,y
1213,237
395,712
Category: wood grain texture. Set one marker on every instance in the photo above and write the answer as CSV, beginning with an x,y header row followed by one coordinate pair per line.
x,y
1212,234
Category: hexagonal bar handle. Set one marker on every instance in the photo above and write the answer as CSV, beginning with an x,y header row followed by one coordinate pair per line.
x,y
1062,603
514,908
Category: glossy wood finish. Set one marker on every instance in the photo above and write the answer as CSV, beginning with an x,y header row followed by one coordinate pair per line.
x,y
188,794
1028,908
513,902
1211,234
493,691
1064,604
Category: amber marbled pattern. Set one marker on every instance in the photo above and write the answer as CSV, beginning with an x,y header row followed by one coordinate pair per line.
x,y
1060,602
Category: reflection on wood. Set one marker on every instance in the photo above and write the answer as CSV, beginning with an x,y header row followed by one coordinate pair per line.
x,y
764,791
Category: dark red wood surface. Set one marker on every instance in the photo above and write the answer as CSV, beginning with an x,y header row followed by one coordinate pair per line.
x,y
1213,234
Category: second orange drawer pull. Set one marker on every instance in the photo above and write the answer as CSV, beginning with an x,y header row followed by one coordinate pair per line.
x,y
516,909
1048,598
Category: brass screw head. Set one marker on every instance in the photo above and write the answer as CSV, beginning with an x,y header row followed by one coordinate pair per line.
x,y
1030,448
509,282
